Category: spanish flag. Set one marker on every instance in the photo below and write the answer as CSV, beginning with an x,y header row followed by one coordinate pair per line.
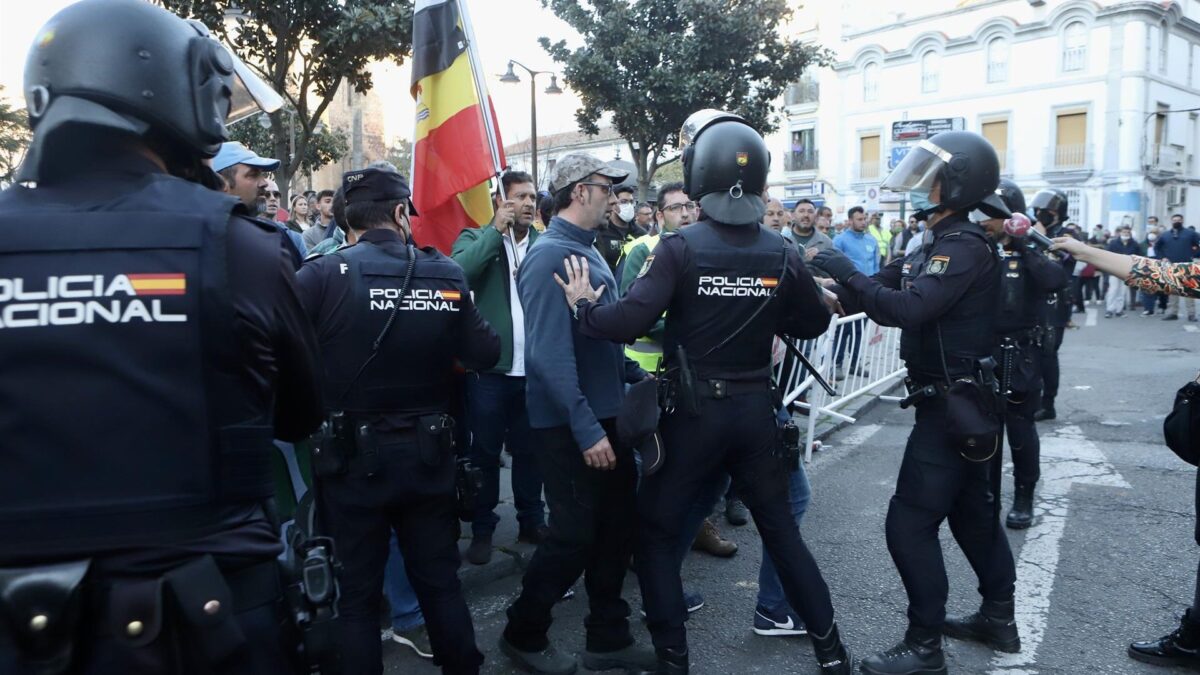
x,y
457,147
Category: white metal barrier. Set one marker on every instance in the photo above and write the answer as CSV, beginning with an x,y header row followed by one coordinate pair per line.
x,y
856,355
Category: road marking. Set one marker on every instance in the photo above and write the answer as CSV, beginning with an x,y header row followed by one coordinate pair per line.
x,y
856,436
1092,313
1068,457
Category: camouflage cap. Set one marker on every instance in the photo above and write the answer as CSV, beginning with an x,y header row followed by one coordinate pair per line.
x,y
579,165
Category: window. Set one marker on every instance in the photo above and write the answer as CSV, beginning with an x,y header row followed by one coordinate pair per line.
x,y
996,133
1070,140
802,156
1074,53
1164,43
802,91
871,82
997,60
1075,211
931,64
868,157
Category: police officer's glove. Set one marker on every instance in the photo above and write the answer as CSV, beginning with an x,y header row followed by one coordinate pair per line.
x,y
836,265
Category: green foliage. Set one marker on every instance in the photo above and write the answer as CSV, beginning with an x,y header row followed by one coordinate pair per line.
x,y
400,154
323,148
306,50
651,63
14,138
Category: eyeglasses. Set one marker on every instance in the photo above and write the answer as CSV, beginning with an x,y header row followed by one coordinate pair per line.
x,y
690,206
608,187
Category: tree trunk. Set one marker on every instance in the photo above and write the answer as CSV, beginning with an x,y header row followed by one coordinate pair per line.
x,y
283,175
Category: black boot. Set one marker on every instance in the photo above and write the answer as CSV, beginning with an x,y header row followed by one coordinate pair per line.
x,y
920,653
1180,648
670,662
1021,515
1046,413
992,625
832,653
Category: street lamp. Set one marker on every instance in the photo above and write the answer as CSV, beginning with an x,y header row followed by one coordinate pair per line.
x,y
511,77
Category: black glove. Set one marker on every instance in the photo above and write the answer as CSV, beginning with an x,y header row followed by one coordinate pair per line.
x,y
836,264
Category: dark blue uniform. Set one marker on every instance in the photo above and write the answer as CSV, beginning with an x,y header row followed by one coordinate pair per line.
x,y
403,479
152,345
943,297
1057,316
1026,277
713,279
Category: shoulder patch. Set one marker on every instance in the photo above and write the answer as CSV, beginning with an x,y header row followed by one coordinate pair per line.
x,y
645,266
937,265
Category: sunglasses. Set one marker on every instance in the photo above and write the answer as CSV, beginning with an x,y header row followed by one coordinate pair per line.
x,y
276,194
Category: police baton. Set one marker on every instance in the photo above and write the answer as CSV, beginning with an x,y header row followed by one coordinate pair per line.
x,y
811,368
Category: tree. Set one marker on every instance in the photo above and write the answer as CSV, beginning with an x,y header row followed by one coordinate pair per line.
x,y
325,147
651,63
400,154
14,138
306,50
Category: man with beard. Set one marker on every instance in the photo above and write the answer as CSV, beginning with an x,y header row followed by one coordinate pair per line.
x,y
803,232
491,256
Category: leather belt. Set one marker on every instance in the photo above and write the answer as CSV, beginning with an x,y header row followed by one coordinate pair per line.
x,y
719,389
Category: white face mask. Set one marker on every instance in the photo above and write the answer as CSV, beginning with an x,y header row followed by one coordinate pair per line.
x,y
1124,237
625,211
1152,236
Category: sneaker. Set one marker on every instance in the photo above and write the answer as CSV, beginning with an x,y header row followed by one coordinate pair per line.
x,y
416,639
1170,317
1108,315
692,601
775,624
1147,313
568,595
736,513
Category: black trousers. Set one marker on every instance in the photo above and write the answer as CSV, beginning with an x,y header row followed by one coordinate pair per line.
x,y
935,484
592,527
416,501
1023,440
1049,359
738,435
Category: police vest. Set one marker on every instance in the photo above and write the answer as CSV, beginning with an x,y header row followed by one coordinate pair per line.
x,y
1020,299
645,351
411,372
963,334
116,337
722,287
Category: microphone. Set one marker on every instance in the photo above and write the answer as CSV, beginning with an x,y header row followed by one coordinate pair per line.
x,y
1020,227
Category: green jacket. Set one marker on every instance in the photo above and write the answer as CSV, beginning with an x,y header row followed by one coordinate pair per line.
x,y
484,258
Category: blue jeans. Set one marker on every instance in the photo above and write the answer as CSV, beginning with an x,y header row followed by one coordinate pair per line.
x,y
851,340
770,592
497,417
406,611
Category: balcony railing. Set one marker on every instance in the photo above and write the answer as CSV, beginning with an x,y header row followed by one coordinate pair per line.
x,y
866,171
1074,58
800,161
1168,159
870,91
801,93
929,82
997,71
1069,157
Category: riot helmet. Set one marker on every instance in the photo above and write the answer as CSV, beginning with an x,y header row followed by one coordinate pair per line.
x,y
146,72
1011,195
1049,203
725,164
962,164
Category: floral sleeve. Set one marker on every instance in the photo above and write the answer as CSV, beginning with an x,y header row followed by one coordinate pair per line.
x,y
1159,276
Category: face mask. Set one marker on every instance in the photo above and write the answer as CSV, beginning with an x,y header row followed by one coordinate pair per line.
x,y
625,212
1151,236
1045,218
1177,226
920,201
1124,237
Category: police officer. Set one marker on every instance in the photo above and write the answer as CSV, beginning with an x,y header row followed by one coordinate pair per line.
x,y
728,286
391,319
943,298
152,344
1026,277
1050,210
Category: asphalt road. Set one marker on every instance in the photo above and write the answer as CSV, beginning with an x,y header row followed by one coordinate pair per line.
x,y
1111,558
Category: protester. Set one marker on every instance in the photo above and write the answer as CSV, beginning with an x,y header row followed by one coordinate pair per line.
x,y
902,236
863,250
804,232
323,225
619,229
644,217
1178,245
1150,300
298,211
245,177
1115,298
271,208
774,215
883,238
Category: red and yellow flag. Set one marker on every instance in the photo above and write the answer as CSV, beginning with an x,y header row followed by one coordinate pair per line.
x,y
456,147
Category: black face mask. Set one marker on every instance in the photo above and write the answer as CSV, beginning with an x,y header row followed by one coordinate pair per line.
x,y
1045,218
1177,226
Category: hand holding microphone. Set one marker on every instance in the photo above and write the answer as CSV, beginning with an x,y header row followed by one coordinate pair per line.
x,y
1020,227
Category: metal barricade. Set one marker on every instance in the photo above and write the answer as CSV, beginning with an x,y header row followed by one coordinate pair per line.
x,y
857,355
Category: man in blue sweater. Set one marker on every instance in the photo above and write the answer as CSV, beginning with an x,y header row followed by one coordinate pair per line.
x,y
574,387
1179,245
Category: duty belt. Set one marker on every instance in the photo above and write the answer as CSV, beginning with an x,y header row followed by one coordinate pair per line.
x,y
719,389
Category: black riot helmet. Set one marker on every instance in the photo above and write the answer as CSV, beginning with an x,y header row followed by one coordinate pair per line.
x,y
132,67
1011,195
962,164
725,164
1048,203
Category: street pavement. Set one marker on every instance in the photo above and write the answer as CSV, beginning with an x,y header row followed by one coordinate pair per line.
x,y
1110,559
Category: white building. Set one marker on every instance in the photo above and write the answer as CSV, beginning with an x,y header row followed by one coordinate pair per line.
x,y
608,145
1074,94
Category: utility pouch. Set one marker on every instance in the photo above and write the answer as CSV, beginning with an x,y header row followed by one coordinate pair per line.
x,y
435,438
973,419
1049,337
367,445
41,608
687,395
332,446
468,483
788,445
204,605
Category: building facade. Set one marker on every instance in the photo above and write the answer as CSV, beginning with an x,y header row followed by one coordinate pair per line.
x,y
1097,98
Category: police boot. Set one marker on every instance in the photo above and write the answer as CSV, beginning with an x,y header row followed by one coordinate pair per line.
x,y
920,653
832,653
1180,648
993,625
1021,515
670,662
1046,413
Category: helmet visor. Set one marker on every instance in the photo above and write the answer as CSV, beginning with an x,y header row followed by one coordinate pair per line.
x,y
918,171
251,95
698,121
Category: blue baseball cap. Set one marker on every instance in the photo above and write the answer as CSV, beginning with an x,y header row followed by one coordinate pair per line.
x,y
235,153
